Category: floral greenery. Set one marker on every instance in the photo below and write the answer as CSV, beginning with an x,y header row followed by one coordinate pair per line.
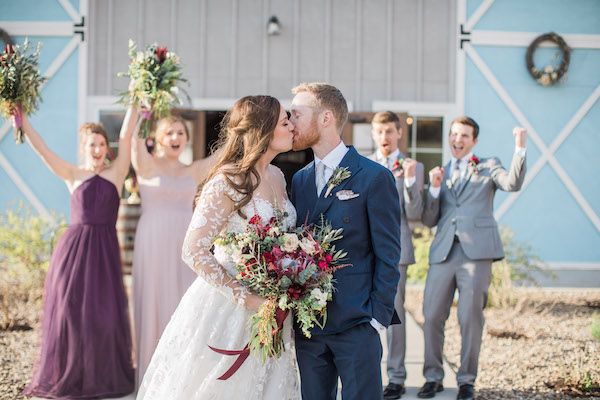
x,y
422,238
550,74
26,243
20,83
339,175
154,74
292,268
519,265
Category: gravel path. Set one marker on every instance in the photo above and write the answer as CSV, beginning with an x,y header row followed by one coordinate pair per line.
x,y
541,348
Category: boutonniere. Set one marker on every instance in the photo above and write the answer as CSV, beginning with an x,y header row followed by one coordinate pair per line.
x,y
397,168
398,164
340,174
473,162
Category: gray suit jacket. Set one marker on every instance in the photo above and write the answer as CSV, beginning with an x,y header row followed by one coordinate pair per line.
x,y
411,208
468,211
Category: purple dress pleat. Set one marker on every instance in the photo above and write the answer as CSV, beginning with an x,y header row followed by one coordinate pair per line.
x,y
86,343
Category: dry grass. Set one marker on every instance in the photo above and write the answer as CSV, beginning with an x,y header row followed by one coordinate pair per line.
x,y
541,347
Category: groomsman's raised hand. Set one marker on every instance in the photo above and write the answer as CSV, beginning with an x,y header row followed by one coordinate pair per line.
x,y
435,176
410,167
520,135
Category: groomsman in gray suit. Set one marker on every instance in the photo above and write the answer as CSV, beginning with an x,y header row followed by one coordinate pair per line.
x,y
460,202
387,131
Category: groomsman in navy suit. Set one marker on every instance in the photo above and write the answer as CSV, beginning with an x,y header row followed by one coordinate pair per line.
x,y
358,195
387,131
460,202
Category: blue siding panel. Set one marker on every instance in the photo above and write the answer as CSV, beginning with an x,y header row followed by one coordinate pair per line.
x,y
561,16
546,215
56,121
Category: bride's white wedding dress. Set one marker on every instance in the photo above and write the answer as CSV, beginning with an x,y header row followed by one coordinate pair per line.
x,y
212,313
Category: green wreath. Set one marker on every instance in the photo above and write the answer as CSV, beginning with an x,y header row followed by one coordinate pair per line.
x,y
550,74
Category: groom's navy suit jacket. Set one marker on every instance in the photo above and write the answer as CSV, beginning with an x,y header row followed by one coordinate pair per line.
x,y
371,224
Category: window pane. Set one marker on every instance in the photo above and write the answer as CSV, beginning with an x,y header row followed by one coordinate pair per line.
x,y
112,121
361,139
429,132
429,162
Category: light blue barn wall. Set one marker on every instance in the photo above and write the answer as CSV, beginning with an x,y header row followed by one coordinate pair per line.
x,y
546,215
56,119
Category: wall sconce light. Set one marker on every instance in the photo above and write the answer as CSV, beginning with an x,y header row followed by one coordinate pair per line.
x,y
273,26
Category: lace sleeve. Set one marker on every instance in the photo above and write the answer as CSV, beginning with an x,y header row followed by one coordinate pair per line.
x,y
212,211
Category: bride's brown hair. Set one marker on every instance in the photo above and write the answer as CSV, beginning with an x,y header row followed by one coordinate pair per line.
x,y
246,132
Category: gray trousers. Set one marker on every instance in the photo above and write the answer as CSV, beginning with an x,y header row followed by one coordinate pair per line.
x,y
472,279
396,335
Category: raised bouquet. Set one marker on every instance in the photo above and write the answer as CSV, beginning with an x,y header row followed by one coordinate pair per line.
x,y
20,84
292,268
154,74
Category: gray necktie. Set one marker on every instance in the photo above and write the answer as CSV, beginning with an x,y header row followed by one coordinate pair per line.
x,y
320,176
455,178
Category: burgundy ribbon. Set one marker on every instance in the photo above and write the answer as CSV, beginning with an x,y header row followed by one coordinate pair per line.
x,y
243,354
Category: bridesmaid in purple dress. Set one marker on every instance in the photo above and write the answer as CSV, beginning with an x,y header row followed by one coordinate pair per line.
x,y
160,277
86,343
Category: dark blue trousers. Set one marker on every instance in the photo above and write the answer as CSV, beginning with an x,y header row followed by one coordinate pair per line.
x,y
354,355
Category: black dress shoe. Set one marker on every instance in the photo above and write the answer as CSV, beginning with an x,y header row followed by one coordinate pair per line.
x,y
393,391
429,390
465,392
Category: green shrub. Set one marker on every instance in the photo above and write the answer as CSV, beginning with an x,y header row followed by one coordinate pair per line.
x,y
422,238
26,243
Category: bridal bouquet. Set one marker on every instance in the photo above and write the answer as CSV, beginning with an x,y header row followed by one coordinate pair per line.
x,y
20,84
293,269
154,74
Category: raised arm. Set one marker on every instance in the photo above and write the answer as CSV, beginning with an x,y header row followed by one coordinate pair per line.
x,y
201,167
141,159
512,180
130,124
57,165
431,207
213,209
413,198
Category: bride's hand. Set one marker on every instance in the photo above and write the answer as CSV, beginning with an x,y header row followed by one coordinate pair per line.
x,y
253,302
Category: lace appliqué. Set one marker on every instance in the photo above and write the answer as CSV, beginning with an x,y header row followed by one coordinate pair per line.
x,y
212,214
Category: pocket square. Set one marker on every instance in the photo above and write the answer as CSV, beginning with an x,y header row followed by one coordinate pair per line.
x,y
346,194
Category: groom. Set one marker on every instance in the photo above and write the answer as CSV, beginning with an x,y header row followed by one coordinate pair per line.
x,y
364,202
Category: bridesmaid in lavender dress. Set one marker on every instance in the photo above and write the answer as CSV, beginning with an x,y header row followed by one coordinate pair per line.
x,y
86,342
167,187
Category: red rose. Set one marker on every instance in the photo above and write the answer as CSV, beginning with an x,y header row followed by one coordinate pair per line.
x,y
323,265
474,159
397,165
295,292
268,257
161,54
255,220
328,258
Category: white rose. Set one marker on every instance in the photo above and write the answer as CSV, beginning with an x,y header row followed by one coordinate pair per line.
x,y
319,296
274,231
290,242
308,245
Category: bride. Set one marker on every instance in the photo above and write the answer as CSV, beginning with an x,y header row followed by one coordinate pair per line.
x,y
216,309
